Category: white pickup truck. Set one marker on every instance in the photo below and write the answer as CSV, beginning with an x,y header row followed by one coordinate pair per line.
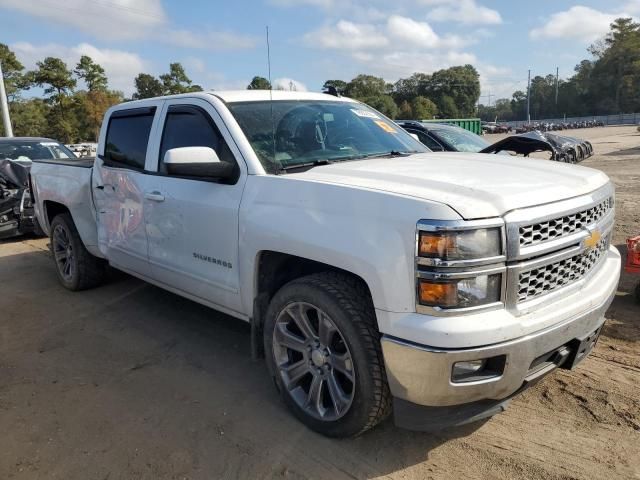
x,y
377,276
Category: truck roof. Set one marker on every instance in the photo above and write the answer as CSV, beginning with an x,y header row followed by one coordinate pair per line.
x,y
231,96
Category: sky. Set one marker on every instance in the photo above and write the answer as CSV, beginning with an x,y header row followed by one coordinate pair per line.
x,y
222,44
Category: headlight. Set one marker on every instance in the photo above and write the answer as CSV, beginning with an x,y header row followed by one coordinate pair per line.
x,y
460,293
460,265
461,244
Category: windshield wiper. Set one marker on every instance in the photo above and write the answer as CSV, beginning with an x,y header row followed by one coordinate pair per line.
x,y
390,154
306,165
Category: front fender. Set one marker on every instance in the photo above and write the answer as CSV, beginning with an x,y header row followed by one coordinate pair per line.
x,y
367,232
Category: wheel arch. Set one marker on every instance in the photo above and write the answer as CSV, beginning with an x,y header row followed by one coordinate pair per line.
x,y
86,228
52,209
272,271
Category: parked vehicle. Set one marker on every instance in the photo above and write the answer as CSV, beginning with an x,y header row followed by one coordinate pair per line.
x,y
561,148
444,138
633,261
17,216
376,276
449,138
494,127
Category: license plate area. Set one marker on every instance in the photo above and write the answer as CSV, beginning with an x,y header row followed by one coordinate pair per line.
x,y
565,356
580,348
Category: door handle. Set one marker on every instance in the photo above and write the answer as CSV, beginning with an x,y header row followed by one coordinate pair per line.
x,y
154,196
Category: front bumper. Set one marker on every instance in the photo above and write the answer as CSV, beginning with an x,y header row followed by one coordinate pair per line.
x,y
422,374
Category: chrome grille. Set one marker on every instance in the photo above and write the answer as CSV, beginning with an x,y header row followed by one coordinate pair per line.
x,y
542,280
559,227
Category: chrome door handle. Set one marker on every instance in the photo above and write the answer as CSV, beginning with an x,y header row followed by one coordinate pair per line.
x,y
154,196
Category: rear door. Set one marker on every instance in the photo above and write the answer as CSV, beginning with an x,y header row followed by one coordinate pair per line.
x,y
193,222
119,183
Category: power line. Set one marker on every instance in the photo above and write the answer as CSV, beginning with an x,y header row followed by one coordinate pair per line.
x,y
110,5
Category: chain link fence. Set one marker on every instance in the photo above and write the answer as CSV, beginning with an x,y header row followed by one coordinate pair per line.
x,y
618,119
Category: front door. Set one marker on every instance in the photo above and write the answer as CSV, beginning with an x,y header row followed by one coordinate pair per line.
x,y
192,223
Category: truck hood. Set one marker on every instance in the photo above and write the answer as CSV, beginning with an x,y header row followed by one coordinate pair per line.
x,y
475,185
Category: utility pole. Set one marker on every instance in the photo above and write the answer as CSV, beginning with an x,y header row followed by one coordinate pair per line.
x,y
529,97
4,106
557,70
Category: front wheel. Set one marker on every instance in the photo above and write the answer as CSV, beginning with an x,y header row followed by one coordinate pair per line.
x,y
323,351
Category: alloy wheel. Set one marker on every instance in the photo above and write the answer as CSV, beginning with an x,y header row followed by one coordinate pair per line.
x,y
313,361
63,253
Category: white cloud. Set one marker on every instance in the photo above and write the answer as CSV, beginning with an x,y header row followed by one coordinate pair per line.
x,y
124,19
394,65
361,37
467,12
208,40
397,47
121,67
583,23
407,29
420,35
289,84
346,35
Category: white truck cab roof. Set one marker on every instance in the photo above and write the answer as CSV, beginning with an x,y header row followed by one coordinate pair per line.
x,y
263,95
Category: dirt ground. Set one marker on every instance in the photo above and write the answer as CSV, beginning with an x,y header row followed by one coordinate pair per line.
x,y
128,381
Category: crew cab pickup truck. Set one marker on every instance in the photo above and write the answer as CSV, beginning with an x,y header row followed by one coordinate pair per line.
x,y
377,276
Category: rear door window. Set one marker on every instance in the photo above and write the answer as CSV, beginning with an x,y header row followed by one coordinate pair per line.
x,y
127,138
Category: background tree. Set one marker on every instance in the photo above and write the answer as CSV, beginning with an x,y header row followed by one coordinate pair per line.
x,y
12,72
177,81
384,104
58,83
366,86
147,86
404,111
92,74
423,108
29,118
339,85
259,83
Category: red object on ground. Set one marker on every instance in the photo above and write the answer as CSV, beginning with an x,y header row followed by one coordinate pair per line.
x,y
633,255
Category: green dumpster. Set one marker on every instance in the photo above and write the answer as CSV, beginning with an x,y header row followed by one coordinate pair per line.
x,y
471,124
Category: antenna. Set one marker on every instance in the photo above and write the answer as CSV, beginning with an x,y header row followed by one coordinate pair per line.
x,y
269,61
273,123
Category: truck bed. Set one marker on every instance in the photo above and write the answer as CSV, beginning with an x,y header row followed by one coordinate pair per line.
x,y
66,183
84,162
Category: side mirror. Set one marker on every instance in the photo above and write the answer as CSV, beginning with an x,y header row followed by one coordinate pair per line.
x,y
197,162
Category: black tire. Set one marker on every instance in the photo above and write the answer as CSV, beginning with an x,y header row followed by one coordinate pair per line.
x,y
347,302
637,291
84,270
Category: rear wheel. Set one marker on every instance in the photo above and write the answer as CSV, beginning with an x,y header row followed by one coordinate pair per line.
x,y
77,269
323,351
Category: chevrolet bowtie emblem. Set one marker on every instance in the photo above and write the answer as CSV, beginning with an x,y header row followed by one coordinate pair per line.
x,y
592,240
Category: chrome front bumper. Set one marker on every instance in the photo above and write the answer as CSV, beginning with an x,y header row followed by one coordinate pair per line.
x,y
422,375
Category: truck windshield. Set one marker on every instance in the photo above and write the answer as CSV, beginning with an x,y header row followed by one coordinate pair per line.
x,y
460,139
286,133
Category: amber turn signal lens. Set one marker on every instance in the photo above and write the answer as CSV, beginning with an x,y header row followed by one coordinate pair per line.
x,y
435,245
438,294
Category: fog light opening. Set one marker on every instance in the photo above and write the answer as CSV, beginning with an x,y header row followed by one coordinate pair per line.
x,y
477,370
